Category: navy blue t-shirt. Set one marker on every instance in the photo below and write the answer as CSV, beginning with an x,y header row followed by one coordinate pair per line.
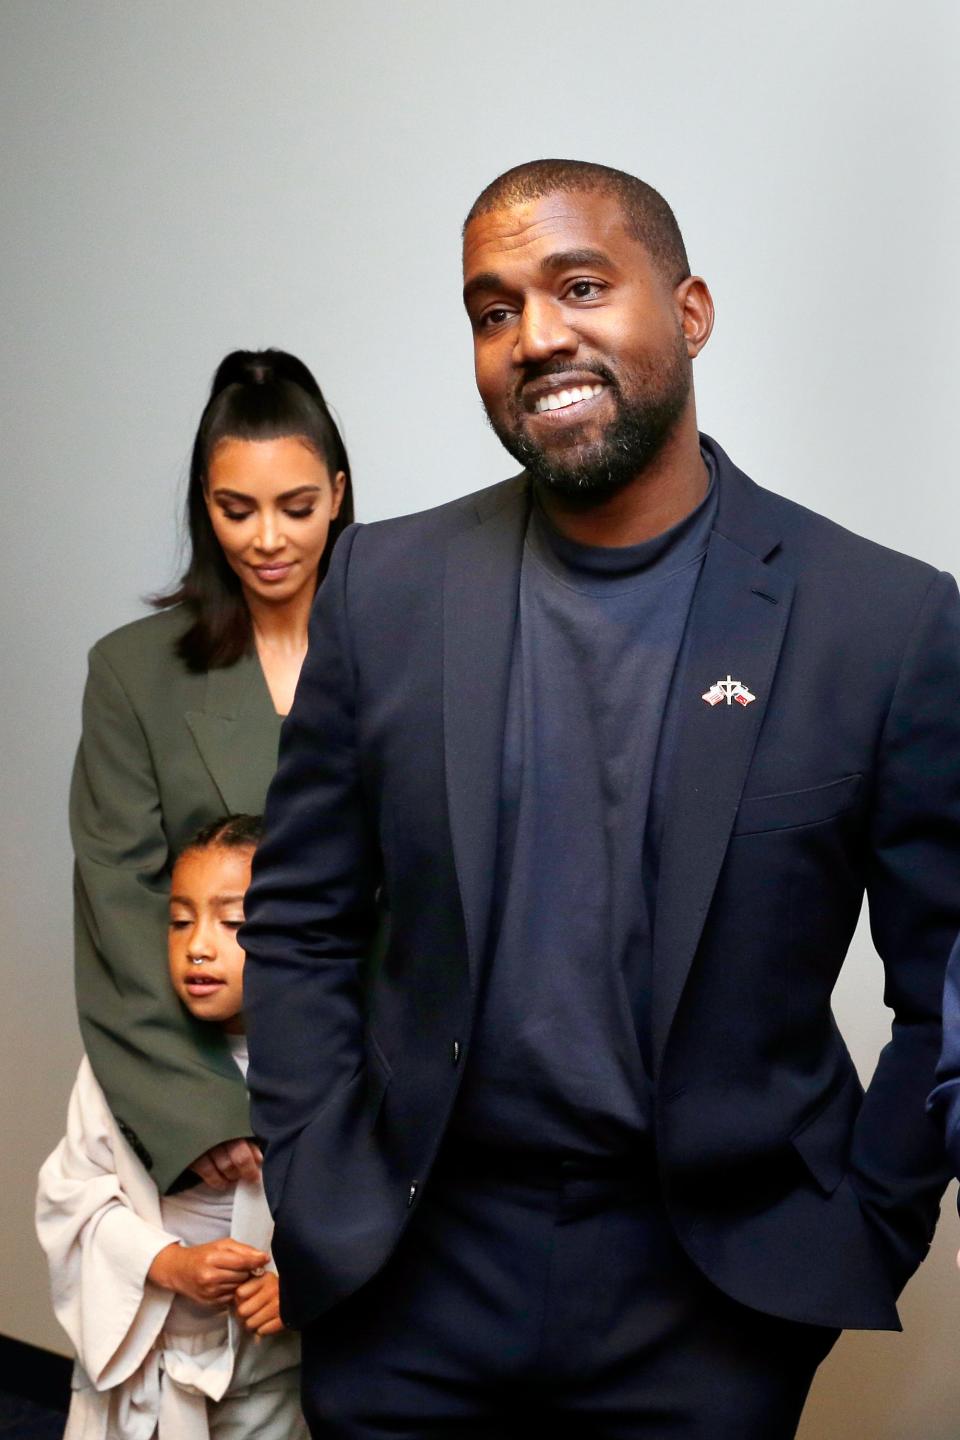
x,y
556,1062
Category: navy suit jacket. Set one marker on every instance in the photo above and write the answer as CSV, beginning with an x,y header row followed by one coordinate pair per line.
x,y
789,1188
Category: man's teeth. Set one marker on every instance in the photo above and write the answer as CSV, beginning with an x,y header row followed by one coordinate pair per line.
x,y
560,399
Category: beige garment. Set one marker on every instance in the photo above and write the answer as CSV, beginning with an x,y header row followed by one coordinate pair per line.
x,y
265,1412
268,1409
99,1221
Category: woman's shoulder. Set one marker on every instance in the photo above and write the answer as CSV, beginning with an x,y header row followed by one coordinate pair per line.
x,y
146,646
163,626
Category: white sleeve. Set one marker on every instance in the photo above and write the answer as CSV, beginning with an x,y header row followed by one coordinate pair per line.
x,y
100,1237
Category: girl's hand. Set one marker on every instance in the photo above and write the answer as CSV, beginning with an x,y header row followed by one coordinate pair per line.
x,y
208,1274
257,1302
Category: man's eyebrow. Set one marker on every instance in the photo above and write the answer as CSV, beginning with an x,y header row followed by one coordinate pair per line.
x,y
486,280
489,280
571,259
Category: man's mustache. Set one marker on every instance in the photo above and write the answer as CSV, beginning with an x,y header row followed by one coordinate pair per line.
x,y
563,367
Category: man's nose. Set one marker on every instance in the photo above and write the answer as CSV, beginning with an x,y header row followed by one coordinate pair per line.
x,y
543,331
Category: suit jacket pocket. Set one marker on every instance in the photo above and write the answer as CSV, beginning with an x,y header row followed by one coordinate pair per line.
x,y
823,1140
352,1109
796,807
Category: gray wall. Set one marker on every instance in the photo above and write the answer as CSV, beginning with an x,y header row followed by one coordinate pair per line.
x,y
180,179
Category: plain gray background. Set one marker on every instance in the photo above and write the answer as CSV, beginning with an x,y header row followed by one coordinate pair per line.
x,y
183,178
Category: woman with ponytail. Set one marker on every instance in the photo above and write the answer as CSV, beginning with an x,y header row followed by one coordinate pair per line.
x,y
181,722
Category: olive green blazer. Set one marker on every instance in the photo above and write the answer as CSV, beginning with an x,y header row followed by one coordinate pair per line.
x,y
162,752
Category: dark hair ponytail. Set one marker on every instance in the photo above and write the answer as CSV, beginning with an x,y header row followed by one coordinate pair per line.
x,y
256,395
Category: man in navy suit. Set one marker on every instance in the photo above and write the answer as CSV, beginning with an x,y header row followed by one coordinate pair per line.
x,y
620,743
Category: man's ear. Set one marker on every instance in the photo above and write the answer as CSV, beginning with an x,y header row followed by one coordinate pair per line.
x,y
695,309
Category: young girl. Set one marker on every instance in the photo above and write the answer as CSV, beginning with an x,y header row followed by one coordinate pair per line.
x,y
170,1301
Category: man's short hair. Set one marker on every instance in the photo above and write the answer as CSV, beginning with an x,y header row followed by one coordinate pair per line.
x,y
647,215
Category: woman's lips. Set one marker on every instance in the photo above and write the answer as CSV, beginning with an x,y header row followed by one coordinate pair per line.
x,y
272,573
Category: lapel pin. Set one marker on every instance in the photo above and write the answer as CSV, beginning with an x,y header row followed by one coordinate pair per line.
x,y
728,690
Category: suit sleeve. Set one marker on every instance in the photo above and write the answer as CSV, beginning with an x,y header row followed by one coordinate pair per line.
x,y
159,1068
311,908
913,889
944,1102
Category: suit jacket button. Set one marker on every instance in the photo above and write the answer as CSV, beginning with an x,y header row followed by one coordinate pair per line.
x,y
412,1194
455,1052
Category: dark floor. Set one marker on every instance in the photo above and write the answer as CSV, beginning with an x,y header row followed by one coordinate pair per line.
x,y
34,1391
23,1420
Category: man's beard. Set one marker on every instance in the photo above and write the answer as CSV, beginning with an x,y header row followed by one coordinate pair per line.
x,y
648,406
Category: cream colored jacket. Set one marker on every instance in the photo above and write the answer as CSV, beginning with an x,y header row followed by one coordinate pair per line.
x,y
100,1223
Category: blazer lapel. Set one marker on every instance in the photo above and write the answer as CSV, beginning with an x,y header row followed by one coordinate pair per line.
x,y
237,734
737,624
481,587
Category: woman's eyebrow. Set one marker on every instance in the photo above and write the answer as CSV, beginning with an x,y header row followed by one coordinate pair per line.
x,y
222,493
300,490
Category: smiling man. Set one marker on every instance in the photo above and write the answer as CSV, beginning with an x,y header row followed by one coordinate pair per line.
x,y
622,741
581,363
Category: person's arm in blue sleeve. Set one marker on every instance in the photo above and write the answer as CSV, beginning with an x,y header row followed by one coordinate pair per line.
x,y
944,1101
311,911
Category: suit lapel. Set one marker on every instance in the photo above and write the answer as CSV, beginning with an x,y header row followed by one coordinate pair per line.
x,y
233,734
481,586
737,624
